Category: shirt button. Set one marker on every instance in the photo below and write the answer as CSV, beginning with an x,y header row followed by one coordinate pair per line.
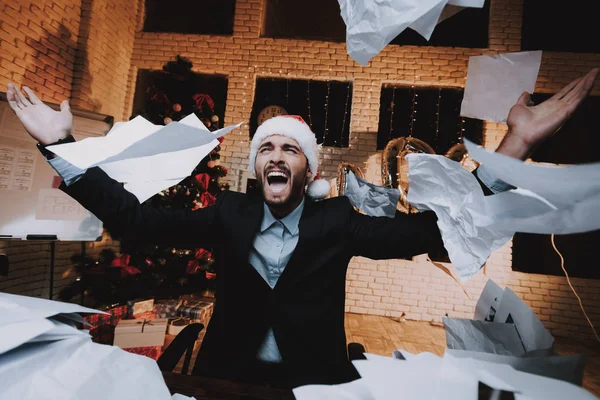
x,y
277,245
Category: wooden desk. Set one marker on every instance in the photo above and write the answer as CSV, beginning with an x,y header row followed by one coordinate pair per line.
x,y
214,389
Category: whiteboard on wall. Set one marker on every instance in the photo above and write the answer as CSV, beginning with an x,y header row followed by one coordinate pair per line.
x,y
31,205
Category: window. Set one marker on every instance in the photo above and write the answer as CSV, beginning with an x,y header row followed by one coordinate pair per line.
x,y
568,27
307,19
396,113
182,93
206,17
324,105
577,142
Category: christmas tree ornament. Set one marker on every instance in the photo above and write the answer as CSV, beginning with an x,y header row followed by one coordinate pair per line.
x,y
177,107
167,120
211,164
214,119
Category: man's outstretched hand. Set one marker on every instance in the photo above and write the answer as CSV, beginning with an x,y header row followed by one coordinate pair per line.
x,y
529,125
41,122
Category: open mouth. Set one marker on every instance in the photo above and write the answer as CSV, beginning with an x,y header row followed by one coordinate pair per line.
x,y
277,180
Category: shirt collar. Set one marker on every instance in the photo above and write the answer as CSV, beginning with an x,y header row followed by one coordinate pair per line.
x,y
290,221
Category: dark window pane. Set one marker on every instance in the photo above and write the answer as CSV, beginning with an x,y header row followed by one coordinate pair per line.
x,y
206,17
311,101
554,26
307,19
429,104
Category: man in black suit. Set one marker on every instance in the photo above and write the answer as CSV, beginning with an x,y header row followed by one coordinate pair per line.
x,y
279,316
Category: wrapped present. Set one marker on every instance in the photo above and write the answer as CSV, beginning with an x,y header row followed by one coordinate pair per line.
x,y
166,308
198,310
140,333
145,315
139,306
177,325
102,328
153,352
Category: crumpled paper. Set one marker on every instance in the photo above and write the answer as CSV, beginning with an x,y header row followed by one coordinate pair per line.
x,y
372,24
376,201
495,83
147,158
44,356
453,193
546,200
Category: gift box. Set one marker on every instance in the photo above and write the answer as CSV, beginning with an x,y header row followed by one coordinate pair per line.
x,y
153,352
166,308
140,333
139,306
102,328
197,311
177,325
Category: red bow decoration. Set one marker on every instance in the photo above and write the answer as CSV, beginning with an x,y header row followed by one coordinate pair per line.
x,y
202,254
203,179
126,269
192,267
207,199
203,100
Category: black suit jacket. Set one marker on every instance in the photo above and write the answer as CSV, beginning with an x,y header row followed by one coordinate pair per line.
x,y
306,307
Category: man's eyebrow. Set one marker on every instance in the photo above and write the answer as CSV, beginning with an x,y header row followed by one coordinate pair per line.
x,y
265,144
291,146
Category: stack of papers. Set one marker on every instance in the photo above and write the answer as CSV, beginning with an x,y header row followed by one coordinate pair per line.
x,y
44,356
472,367
148,158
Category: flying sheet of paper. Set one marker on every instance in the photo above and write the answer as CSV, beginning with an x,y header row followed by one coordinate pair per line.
x,y
372,24
488,302
77,368
355,390
148,158
565,368
548,199
462,375
494,83
376,201
534,335
453,193
388,378
15,308
482,336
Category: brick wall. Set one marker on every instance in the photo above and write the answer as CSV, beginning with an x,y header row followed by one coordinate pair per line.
x,y
64,49
393,287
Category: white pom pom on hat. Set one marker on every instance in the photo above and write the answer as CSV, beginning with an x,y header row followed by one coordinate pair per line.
x,y
294,127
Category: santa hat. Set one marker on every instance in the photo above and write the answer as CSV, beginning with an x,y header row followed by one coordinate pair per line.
x,y
294,127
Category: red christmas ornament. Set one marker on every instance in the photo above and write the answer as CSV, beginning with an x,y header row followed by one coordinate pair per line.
x,y
176,107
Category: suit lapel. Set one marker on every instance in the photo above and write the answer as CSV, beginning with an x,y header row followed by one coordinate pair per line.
x,y
251,215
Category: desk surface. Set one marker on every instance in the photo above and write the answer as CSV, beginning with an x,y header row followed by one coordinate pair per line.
x,y
214,389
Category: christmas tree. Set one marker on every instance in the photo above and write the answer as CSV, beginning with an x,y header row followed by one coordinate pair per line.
x,y
160,271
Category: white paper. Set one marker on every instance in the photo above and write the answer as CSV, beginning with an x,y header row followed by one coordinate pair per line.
x,y
464,374
77,368
372,24
148,158
488,302
453,193
548,199
534,335
15,308
376,201
482,336
494,83
355,390
565,368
